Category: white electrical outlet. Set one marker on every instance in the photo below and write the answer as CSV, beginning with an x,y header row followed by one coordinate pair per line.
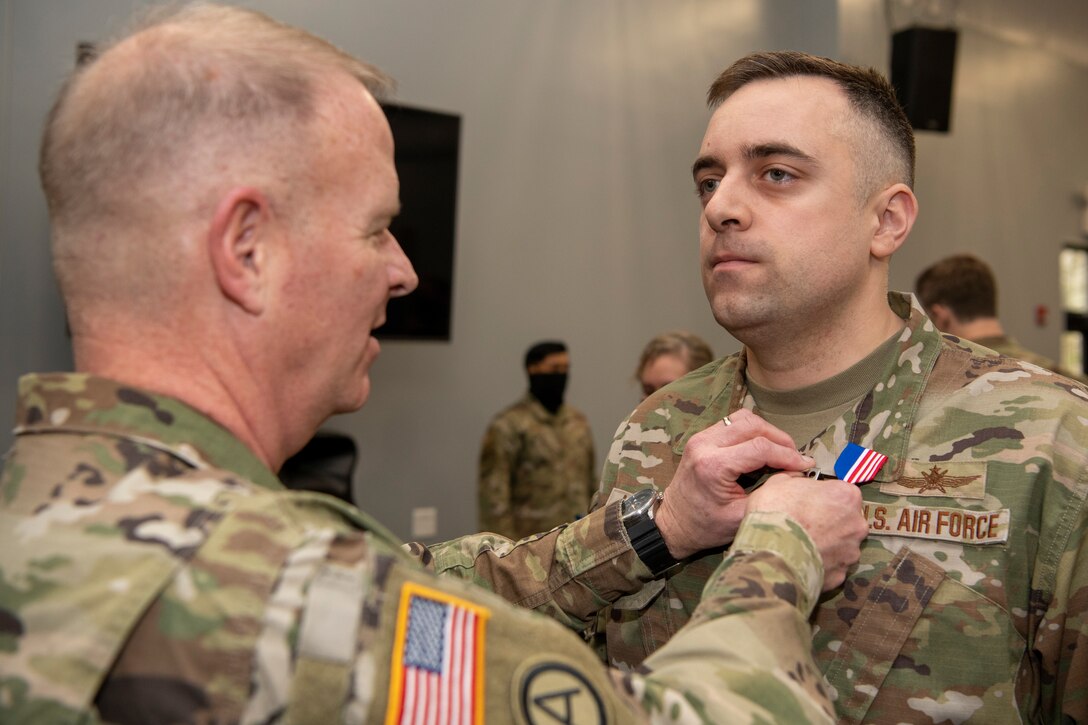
x,y
424,522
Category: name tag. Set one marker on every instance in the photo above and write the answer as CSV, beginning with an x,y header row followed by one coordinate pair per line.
x,y
943,524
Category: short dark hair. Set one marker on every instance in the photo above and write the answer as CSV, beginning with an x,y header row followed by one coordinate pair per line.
x,y
543,349
963,283
868,91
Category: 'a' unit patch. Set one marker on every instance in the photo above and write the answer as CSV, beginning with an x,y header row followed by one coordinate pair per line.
x,y
438,659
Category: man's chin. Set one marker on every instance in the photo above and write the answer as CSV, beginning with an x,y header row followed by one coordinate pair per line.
x,y
736,319
357,400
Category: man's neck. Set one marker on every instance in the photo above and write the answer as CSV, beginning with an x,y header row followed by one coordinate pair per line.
x,y
229,400
792,361
978,329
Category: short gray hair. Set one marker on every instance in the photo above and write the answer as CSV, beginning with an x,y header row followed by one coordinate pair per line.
x,y
186,85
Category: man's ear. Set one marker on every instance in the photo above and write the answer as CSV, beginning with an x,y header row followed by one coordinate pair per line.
x,y
941,315
238,247
897,208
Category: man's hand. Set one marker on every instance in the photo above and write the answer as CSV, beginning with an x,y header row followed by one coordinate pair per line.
x,y
704,503
830,511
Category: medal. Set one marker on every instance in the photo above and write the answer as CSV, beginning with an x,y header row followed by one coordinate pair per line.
x,y
857,464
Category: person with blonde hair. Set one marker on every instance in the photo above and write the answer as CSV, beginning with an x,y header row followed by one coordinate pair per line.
x,y
668,357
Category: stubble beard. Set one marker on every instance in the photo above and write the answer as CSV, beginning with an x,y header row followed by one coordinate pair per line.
x,y
752,312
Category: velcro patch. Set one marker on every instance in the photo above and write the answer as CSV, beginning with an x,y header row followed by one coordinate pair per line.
x,y
943,524
959,479
616,494
551,690
331,618
437,672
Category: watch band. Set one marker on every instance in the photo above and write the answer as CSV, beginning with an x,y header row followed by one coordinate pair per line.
x,y
646,539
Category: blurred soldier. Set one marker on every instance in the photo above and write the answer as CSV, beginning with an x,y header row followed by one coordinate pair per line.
x,y
971,598
536,460
668,357
959,294
220,188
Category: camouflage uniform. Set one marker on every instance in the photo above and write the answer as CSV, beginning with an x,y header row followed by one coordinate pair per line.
x,y
153,570
536,469
971,597
1011,347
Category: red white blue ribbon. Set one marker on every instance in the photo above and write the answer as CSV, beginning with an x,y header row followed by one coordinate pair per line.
x,y
857,464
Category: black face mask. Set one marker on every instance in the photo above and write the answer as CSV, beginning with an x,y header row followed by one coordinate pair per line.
x,y
548,388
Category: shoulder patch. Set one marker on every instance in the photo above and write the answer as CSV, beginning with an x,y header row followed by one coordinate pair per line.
x,y
954,479
551,690
437,671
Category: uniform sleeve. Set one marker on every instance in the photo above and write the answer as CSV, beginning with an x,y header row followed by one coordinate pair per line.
x,y
745,656
498,454
332,625
1061,638
610,470
591,471
428,645
568,573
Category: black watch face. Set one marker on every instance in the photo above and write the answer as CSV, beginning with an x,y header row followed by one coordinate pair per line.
x,y
638,503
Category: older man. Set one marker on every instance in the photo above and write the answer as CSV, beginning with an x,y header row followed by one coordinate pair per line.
x,y
220,188
971,598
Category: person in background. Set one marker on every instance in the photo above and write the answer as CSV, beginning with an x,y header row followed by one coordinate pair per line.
x,y
220,188
536,459
970,602
669,356
959,294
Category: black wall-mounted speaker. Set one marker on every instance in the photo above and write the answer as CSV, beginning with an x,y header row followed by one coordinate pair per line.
x,y
923,60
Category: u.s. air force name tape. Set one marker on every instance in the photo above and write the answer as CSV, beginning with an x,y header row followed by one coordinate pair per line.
x,y
942,524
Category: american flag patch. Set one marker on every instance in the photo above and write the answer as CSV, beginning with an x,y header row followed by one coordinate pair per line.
x,y
857,464
438,659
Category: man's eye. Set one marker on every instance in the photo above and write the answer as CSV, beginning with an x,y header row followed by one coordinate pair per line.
x,y
779,175
706,187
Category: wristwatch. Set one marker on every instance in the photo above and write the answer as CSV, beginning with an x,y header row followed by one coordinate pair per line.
x,y
637,515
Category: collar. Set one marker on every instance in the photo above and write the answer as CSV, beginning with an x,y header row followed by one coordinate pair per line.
x,y
881,420
82,403
993,340
541,413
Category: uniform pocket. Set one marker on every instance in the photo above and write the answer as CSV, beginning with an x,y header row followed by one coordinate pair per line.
x,y
923,647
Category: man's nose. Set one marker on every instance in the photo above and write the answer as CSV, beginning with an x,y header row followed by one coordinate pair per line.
x,y
402,275
727,206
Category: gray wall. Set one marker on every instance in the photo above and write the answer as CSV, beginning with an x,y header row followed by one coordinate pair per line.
x,y
1006,182
576,215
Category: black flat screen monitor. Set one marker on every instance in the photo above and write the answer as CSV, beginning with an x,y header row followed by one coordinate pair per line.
x,y
427,147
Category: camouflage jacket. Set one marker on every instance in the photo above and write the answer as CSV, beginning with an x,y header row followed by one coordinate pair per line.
x,y
153,570
1011,347
536,469
971,597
